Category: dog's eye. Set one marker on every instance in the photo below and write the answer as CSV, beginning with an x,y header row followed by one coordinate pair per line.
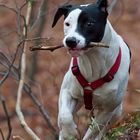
x,y
67,24
90,24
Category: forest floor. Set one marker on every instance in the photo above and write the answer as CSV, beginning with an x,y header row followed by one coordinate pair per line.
x,y
128,129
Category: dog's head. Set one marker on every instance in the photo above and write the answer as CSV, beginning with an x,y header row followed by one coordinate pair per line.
x,y
82,24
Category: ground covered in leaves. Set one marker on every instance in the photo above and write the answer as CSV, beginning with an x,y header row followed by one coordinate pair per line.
x,y
128,129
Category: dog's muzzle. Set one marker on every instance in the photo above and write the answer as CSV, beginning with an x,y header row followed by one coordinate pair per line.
x,y
71,42
74,46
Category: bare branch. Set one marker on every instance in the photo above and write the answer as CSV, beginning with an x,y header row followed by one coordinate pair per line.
x,y
21,82
13,10
2,135
7,63
52,48
5,6
11,64
12,70
24,4
43,111
8,119
39,23
36,39
40,17
15,74
18,13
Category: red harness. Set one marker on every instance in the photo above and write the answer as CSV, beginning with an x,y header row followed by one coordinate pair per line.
x,y
89,87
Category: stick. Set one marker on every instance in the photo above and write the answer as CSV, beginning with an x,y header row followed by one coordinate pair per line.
x,y
50,48
95,44
53,48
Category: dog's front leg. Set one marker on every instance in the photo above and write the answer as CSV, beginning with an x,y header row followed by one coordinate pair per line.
x,y
67,105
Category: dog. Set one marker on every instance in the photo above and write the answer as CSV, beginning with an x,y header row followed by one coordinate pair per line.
x,y
84,24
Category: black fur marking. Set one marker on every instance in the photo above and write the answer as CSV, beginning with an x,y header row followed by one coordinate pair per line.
x,y
91,23
64,10
130,56
102,4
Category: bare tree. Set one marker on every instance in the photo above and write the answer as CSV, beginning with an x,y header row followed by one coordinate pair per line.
x,y
18,73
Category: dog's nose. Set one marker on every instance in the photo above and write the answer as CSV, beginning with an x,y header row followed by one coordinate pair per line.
x,y
71,42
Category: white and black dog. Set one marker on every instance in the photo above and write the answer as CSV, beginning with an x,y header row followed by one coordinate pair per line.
x,y
91,82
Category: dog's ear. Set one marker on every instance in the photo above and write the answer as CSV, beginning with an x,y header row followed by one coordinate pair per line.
x,y
64,10
103,5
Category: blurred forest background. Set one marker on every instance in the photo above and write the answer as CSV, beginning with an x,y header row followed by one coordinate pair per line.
x,y
45,69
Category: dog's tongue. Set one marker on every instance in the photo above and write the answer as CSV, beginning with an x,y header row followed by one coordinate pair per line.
x,y
75,52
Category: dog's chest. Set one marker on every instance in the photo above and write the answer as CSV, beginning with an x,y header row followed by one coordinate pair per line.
x,y
92,69
93,65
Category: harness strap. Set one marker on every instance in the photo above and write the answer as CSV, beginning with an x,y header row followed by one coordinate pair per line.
x,y
97,83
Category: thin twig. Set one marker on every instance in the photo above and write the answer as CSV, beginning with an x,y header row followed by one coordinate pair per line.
x,y
7,117
23,5
52,48
2,135
5,6
21,82
39,23
22,42
8,63
11,65
27,89
19,30
15,74
41,16
13,10
36,39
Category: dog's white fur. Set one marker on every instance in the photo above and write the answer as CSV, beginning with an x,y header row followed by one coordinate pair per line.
x,y
93,64
69,31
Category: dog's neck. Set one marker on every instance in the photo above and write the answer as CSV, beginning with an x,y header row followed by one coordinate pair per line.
x,y
96,62
110,34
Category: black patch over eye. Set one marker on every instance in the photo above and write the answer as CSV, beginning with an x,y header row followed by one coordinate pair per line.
x,y
91,24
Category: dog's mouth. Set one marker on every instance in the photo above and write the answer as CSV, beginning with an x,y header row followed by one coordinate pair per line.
x,y
75,52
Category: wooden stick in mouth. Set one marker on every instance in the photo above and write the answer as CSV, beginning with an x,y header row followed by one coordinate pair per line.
x,y
52,48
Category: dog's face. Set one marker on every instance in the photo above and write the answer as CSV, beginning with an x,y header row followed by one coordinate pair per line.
x,y
82,25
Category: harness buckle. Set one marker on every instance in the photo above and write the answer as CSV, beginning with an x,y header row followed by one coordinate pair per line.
x,y
109,77
75,70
